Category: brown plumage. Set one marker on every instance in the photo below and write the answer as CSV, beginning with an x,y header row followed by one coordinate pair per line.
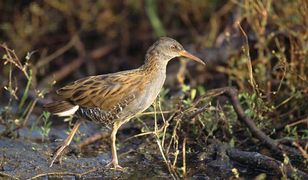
x,y
58,106
117,97
103,91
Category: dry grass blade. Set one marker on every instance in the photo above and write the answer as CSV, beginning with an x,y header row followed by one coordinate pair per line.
x,y
249,65
184,168
163,152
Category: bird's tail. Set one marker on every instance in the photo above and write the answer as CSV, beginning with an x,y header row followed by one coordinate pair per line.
x,y
61,108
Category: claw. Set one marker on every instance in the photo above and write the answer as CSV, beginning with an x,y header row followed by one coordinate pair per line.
x,y
57,154
66,143
115,166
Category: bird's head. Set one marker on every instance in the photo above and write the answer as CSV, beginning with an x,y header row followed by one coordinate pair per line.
x,y
167,48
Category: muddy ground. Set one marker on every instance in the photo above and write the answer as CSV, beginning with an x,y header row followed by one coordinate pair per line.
x,y
27,157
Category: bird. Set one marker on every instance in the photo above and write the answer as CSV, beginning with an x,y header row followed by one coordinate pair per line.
x,y
115,98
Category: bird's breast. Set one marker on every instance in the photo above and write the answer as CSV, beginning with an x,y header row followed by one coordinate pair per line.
x,y
148,94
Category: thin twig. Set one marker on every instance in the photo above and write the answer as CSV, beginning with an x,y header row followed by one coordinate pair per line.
x,y
152,113
92,139
173,173
11,57
7,176
57,53
305,120
249,64
301,149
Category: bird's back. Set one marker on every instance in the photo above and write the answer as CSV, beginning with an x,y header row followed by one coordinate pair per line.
x,y
104,98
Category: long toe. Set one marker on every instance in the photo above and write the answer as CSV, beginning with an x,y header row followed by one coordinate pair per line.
x,y
118,167
115,166
57,154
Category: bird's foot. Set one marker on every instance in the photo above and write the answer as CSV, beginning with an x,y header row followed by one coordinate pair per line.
x,y
115,166
58,154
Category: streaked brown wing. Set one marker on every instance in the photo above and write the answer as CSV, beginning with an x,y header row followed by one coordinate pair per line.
x,y
102,91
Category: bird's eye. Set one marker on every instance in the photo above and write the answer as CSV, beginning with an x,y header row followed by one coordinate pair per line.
x,y
173,47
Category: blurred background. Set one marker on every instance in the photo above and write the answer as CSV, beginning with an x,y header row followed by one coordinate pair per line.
x,y
48,43
61,41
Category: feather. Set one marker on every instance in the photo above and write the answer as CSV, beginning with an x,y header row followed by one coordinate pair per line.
x,y
58,107
103,91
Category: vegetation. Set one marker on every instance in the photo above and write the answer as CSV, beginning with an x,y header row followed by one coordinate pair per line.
x,y
258,47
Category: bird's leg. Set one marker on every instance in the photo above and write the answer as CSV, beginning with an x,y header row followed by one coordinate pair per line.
x,y
114,161
66,142
113,137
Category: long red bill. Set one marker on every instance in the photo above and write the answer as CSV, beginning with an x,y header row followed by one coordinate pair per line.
x,y
190,56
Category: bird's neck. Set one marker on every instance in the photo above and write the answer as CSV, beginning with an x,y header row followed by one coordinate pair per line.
x,y
156,63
